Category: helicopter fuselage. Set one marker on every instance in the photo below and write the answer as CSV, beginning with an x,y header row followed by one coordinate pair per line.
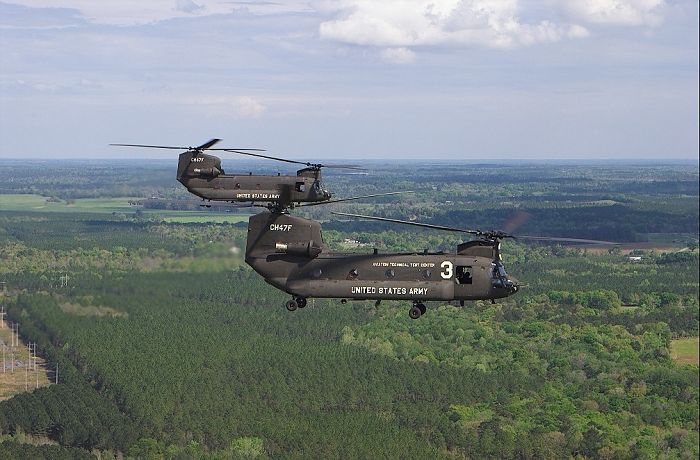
x,y
255,188
289,252
409,276
203,176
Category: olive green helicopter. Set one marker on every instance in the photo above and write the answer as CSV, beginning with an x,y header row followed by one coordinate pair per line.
x,y
290,254
202,174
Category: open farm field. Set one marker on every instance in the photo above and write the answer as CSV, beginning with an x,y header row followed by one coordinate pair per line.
x,y
685,350
170,346
199,217
36,203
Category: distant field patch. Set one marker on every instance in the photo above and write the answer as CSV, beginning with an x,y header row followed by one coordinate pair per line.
x,y
46,204
685,350
200,217
22,202
91,310
39,203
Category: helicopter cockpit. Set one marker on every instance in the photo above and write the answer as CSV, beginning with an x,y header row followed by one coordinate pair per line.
x,y
317,189
499,278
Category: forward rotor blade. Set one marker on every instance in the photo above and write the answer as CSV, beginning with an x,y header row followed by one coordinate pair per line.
x,y
205,146
490,235
340,200
516,221
565,240
152,146
231,150
408,222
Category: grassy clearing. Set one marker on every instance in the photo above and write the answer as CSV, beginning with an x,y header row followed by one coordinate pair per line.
x,y
111,205
91,310
19,379
21,202
685,350
200,217
41,203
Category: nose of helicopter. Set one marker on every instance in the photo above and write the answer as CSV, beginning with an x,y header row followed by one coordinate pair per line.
x,y
505,287
513,285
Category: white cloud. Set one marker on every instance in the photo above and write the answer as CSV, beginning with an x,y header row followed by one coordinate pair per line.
x,y
136,12
404,23
249,107
188,6
217,107
398,55
400,24
577,31
616,12
130,12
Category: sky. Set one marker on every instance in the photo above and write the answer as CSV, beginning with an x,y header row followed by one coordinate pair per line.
x,y
352,79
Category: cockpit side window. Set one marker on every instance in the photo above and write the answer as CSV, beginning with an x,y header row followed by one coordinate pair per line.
x,y
500,271
464,274
300,186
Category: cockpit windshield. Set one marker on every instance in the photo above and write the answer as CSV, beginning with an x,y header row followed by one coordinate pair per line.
x,y
500,277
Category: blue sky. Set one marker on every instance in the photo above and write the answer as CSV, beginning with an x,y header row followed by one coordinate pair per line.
x,y
452,79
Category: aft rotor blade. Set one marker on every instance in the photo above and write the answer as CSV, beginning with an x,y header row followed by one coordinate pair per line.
x,y
565,240
305,163
340,200
408,222
267,157
353,167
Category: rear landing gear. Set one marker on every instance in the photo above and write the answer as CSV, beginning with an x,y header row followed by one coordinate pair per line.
x,y
296,302
417,310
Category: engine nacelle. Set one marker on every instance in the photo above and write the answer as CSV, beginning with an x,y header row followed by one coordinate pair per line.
x,y
208,172
305,249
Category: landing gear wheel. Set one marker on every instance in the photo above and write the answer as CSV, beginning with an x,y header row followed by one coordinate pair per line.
x,y
301,302
291,305
415,312
422,308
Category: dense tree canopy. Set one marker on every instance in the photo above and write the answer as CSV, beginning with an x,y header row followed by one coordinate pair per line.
x,y
170,347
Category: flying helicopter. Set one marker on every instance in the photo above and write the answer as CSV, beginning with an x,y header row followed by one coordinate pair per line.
x,y
290,254
201,173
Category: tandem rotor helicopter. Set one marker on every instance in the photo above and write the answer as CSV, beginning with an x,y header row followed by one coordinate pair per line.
x,y
203,176
290,254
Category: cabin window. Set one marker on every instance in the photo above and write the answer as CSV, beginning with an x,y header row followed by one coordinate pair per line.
x,y
317,273
237,186
299,187
352,274
464,274
427,274
390,273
